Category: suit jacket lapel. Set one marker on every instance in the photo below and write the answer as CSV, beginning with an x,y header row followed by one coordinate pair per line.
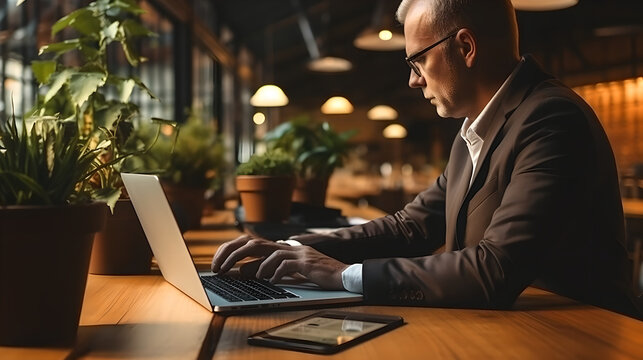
x,y
460,167
528,74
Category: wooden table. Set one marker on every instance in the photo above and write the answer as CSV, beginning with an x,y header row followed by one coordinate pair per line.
x,y
132,317
542,325
144,317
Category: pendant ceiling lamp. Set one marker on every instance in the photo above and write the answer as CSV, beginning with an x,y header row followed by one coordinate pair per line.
x,y
337,105
318,63
394,131
269,96
382,34
382,112
330,64
542,5
379,39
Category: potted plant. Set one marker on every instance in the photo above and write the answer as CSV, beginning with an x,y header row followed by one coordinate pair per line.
x,y
99,100
317,151
265,184
48,216
189,160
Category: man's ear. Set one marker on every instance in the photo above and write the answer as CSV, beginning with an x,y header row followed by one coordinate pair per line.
x,y
467,46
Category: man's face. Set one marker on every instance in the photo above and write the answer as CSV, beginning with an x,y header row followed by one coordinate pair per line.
x,y
438,78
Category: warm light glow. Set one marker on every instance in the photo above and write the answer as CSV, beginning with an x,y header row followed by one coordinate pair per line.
x,y
11,84
543,5
259,118
382,112
337,105
394,131
330,64
385,35
167,130
269,96
371,39
618,107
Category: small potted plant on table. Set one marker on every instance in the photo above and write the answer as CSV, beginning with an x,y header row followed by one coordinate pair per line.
x,y
265,184
189,160
317,151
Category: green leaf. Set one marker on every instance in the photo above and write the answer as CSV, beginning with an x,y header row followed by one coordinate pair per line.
x,y
125,89
129,6
107,195
82,85
107,116
89,51
93,67
59,80
43,70
66,21
28,183
86,23
164,121
111,31
142,86
133,28
60,47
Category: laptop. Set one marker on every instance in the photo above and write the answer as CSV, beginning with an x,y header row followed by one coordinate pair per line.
x,y
215,293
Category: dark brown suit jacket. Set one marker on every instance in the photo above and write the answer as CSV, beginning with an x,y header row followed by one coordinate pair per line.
x,y
544,207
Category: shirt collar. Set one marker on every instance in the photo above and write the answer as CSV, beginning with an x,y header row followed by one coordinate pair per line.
x,y
480,124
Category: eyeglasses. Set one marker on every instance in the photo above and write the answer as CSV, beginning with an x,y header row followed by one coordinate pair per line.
x,y
410,59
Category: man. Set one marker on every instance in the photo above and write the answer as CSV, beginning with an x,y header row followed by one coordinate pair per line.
x,y
529,196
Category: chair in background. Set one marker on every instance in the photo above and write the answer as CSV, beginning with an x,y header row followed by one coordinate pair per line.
x,y
632,182
634,231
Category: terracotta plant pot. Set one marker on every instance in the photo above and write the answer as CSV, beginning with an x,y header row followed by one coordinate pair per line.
x,y
44,256
265,198
310,191
121,248
187,204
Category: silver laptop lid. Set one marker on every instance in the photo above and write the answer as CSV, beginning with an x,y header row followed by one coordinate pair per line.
x,y
163,234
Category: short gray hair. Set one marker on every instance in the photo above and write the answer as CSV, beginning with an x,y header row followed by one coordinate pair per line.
x,y
495,19
402,10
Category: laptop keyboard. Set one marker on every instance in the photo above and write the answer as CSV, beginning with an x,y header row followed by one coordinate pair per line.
x,y
236,290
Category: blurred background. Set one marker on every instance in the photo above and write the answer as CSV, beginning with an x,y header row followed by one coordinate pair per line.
x,y
211,56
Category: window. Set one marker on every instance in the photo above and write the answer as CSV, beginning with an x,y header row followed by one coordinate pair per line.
x,y
158,71
203,85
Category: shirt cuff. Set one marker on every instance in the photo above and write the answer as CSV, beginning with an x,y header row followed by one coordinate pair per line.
x,y
352,279
289,242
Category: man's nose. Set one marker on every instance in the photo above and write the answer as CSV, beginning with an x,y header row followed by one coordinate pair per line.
x,y
416,81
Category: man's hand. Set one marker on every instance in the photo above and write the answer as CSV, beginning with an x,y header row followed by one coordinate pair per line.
x,y
279,260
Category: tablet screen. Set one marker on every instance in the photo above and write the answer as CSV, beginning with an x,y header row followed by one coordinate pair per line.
x,y
326,330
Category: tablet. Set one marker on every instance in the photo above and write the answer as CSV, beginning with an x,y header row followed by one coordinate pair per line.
x,y
326,332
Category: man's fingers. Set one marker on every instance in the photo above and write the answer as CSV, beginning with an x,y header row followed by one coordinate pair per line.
x,y
225,249
254,247
270,264
249,269
285,268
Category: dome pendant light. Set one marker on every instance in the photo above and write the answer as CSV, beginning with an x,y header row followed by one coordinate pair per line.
x,y
542,5
382,112
337,105
394,131
269,96
382,34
